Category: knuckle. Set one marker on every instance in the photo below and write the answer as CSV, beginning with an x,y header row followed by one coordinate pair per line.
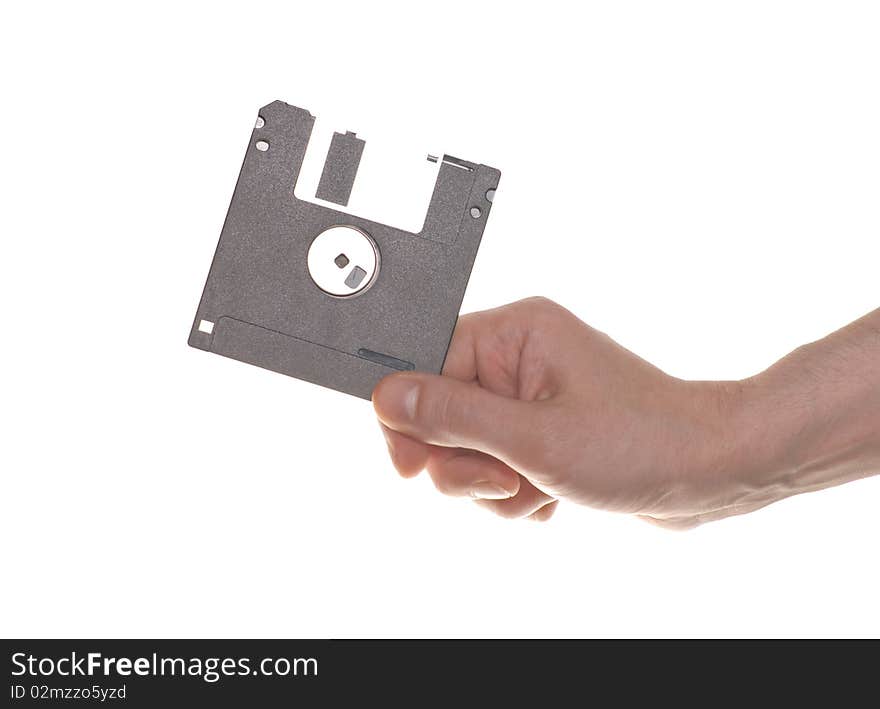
x,y
430,406
541,305
543,313
443,409
537,301
545,448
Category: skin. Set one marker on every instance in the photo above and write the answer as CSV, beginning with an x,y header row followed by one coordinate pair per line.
x,y
534,406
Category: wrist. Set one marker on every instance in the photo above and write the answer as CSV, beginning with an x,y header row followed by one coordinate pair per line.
x,y
744,460
823,414
764,426
803,425
810,421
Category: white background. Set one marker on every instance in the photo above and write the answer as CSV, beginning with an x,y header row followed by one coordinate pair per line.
x,y
700,180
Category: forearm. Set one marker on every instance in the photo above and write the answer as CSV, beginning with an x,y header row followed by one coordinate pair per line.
x,y
813,419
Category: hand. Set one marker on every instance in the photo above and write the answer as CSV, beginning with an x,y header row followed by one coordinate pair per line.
x,y
534,406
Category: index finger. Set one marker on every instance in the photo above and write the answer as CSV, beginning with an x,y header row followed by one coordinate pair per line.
x,y
461,359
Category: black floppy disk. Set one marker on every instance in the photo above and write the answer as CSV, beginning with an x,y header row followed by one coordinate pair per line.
x,y
325,296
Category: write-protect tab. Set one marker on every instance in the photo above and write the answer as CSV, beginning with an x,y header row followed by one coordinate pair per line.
x,y
340,168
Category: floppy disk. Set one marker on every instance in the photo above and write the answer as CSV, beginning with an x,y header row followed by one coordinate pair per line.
x,y
326,296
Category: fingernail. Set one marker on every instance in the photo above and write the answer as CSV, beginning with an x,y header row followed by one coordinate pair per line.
x,y
398,397
544,513
485,490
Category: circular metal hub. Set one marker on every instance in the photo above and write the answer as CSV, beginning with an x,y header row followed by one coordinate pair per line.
x,y
343,261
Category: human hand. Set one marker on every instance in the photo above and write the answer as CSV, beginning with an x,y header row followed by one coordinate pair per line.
x,y
534,406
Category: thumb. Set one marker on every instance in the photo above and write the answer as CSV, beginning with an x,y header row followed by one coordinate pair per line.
x,y
448,412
